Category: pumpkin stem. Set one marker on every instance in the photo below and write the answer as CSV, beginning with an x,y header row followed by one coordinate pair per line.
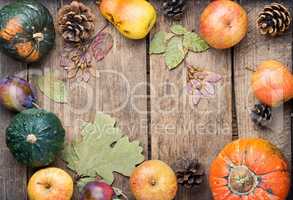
x,y
242,180
31,138
38,36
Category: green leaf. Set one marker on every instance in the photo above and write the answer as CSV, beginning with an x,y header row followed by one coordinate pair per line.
x,y
175,53
102,150
169,36
52,88
158,43
178,29
194,43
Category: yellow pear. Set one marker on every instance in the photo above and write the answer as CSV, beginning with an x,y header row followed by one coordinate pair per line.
x,y
133,18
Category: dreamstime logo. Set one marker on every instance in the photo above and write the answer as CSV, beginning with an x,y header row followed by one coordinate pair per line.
x,y
168,103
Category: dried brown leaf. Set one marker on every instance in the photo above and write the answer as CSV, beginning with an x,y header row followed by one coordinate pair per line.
x,y
208,89
196,83
196,99
201,83
86,75
101,45
213,77
72,73
93,71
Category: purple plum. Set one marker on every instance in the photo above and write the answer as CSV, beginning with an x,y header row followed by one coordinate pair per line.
x,y
16,93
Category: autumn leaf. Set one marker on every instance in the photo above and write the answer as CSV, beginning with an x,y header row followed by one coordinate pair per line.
x,y
102,150
201,83
178,29
196,99
175,53
158,44
101,45
194,43
208,89
213,77
52,88
78,59
175,45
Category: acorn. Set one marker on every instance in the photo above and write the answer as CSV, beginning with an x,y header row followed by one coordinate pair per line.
x,y
16,94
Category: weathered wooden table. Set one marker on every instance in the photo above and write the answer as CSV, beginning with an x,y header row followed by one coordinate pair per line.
x,y
149,101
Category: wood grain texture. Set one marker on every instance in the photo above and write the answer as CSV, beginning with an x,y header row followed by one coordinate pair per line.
x,y
178,128
117,90
13,176
51,64
254,49
121,90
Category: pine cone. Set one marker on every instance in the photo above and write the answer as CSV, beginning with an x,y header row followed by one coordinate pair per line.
x,y
189,173
173,8
261,114
75,22
274,20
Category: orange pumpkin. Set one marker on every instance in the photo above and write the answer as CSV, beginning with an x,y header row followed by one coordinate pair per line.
x,y
249,169
272,83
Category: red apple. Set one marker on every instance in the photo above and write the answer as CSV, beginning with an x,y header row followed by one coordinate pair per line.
x,y
153,180
97,190
272,83
223,24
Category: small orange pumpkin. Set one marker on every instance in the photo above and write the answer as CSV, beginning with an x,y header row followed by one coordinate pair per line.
x,y
272,83
250,169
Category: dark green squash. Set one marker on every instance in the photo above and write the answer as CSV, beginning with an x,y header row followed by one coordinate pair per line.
x,y
35,137
26,30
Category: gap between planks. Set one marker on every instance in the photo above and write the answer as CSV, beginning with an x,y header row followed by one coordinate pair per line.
x,y
148,92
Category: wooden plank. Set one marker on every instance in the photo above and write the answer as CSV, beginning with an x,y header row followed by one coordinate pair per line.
x,y
120,89
81,104
252,51
68,113
179,129
13,175
49,64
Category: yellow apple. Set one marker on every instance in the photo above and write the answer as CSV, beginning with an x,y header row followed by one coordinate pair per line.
x,y
50,184
133,18
153,180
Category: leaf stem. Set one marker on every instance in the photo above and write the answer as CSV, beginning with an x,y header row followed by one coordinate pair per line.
x,y
36,105
250,69
84,48
119,192
187,64
98,32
